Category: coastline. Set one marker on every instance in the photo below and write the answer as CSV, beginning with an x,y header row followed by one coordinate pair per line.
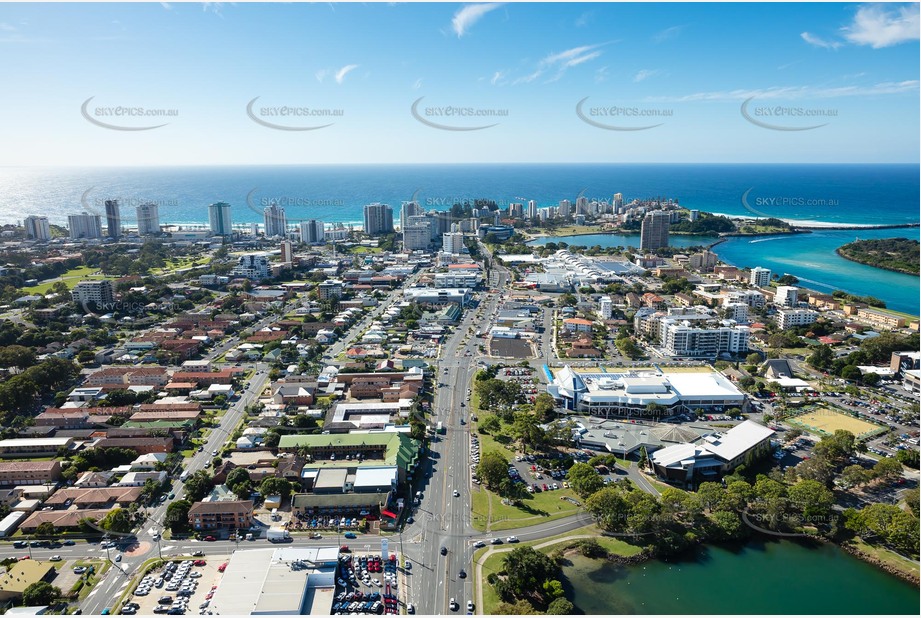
x,y
893,270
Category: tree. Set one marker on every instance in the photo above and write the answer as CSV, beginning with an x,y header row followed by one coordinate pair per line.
x,y
302,421
553,589
560,607
526,430
237,475
117,520
490,424
726,526
544,407
40,593
753,359
813,498
45,528
177,515
492,469
821,357
887,469
274,485
584,480
908,458
199,485
527,569
609,508
856,475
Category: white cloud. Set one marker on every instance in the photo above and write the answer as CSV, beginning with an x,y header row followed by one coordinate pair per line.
x,y
668,33
584,19
644,74
799,92
497,77
819,42
6,27
167,6
417,84
321,74
470,14
341,73
879,25
527,79
601,75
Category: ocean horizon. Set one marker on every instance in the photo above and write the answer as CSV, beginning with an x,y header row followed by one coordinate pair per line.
x,y
836,194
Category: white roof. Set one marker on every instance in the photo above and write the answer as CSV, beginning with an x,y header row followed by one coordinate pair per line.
x,y
737,440
376,476
703,384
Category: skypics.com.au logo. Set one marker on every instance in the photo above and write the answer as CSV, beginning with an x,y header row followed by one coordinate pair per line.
x,y
277,116
452,117
757,204
125,117
593,116
785,117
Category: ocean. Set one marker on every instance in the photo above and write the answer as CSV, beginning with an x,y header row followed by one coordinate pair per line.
x,y
861,194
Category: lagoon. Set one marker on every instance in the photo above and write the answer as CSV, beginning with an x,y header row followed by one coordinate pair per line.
x,y
809,257
761,577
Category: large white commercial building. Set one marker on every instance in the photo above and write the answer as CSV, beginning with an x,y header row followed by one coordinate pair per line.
x,y
629,394
278,580
458,279
752,298
714,455
437,296
37,228
417,235
84,226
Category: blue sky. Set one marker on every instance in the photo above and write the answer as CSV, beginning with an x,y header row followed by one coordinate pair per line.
x,y
686,68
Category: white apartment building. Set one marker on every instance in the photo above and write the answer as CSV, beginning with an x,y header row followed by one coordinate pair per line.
x,y
458,279
786,296
738,312
760,277
789,318
679,338
752,298
100,293
85,226
452,242
252,266
37,228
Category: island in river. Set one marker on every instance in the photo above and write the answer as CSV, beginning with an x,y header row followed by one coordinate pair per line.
x,y
896,254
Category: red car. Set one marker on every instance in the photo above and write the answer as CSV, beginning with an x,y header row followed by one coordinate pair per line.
x,y
222,568
199,563
24,557
344,549
210,538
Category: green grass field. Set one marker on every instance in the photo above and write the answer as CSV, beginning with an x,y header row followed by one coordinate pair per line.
x,y
536,508
71,278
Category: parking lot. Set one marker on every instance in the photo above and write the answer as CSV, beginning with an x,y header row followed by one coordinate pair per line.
x,y
366,584
510,348
177,587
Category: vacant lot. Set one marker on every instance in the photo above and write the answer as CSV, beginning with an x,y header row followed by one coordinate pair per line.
x,y
827,422
512,348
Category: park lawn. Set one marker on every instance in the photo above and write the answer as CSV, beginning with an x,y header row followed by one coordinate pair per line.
x,y
176,264
537,508
888,557
572,230
71,278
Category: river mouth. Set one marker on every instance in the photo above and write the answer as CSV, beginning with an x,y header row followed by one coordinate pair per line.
x,y
763,576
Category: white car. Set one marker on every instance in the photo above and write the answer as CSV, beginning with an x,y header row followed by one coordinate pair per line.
x,y
456,494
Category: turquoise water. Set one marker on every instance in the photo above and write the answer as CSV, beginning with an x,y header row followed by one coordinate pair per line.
x,y
809,257
760,578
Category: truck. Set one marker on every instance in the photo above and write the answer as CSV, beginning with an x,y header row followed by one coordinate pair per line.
x,y
277,535
184,476
440,428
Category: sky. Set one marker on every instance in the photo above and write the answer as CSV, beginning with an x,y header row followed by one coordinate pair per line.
x,y
458,83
